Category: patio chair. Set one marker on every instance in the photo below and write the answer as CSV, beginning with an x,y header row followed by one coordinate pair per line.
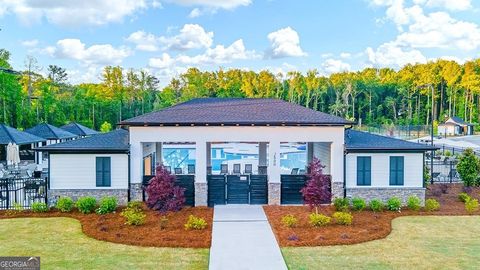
x,y
191,169
178,171
301,171
248,168
236,169
168,169
294,171
224,169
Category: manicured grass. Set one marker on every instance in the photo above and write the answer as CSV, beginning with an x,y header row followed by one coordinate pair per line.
x,y
417,242
61,245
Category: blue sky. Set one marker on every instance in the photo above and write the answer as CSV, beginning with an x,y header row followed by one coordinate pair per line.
x,y
166,37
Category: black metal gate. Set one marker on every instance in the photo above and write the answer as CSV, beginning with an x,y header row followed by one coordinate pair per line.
x,y
291,184
216,189
258,189
22,192
237,189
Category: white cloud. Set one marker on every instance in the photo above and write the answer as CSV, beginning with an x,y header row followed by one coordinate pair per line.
x,y
453,5
391,55
30,43
196,12
72,12
101,54
345,55
330,66
284,43
191,36
223,4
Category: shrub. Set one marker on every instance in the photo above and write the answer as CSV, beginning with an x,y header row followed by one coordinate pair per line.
x,y
86,205
107,205
163,194
463,197
471,205
376,205
135,205
413,203
468,167
448,153
318,220
394,204
358,204
317,189
133,216
341,204
195,223
343,218
431,205
289,221
39,207
17,207
65,204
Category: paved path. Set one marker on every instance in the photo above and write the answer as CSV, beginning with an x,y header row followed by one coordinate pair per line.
x,y
242,239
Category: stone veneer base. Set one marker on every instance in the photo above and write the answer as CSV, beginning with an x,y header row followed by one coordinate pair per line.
x,y
385,193
274,193
120,194
201,194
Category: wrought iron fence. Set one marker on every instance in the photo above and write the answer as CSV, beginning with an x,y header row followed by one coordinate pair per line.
x,y
406,132
444,171
22,192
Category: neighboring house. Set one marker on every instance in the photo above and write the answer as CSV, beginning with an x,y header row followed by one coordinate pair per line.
x,y
455,126
24,140
51,134
79,130
359,164
92,166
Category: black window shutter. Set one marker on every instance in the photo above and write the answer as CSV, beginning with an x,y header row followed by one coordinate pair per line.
x,y
99,171
367,171
107,175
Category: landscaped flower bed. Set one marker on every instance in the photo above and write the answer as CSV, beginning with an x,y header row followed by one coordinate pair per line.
x,y
366,225
155,232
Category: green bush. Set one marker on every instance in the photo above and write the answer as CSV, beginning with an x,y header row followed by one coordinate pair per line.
x,y
448,153
107,205
17,207
394,204
343,218
39,207
432,205
471,205
195,223
65,204
289,221
463,197
413,203
86,205
358,204
341,204
318,220
133,216
135,204
376,205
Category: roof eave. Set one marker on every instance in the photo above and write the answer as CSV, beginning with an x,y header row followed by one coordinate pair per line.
x,y
237,124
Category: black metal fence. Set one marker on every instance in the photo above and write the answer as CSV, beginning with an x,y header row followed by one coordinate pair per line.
x,y
444,171
404,132
22,192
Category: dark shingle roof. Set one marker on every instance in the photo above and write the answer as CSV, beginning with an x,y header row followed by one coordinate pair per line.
x,y
9,134
232,111
460,121
359,140
113,141
78,129
50,132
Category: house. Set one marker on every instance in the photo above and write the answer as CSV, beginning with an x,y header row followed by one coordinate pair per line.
x,y
358,163
455,126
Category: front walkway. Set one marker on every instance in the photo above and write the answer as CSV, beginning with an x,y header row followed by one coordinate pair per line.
x,y
242,239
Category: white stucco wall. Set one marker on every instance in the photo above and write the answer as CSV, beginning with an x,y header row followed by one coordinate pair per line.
x,y
77,171
413,169
200,135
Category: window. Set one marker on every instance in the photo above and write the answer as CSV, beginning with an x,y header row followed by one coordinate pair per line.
x,y
364,171
103,170
396,171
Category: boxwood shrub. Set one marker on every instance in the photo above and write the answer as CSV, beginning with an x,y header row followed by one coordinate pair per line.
x,y
86,205
107,205
39,207
358,204
394,204
65,204
376,205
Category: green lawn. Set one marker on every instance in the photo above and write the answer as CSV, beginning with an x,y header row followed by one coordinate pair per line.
x,y
61,245
415,243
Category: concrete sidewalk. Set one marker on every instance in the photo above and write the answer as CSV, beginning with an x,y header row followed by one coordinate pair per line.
x,y
242,239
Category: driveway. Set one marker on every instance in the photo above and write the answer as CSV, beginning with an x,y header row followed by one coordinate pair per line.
x,y
243,239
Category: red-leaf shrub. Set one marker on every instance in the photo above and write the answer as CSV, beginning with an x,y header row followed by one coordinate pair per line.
x,y
163,194
317,190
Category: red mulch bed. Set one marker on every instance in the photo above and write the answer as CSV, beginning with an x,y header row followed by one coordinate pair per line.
x,y
366,225
111,227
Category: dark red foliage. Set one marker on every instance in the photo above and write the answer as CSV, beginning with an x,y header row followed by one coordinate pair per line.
x,y
163,194
317,190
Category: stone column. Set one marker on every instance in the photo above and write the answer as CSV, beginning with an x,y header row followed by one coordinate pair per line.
x,y
201,192
274,173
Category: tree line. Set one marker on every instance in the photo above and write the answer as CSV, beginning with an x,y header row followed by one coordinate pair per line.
x,y
383,96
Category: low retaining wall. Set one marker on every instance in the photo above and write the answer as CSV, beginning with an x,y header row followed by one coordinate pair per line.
x,y
121,194
385,193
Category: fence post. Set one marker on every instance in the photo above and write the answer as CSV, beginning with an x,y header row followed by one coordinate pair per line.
x,y
8,195
450,174
443,149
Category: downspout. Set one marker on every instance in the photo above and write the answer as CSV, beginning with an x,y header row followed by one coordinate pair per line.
x,y
128,193
345,152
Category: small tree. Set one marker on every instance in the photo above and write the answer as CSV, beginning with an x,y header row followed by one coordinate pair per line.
x,y
468,167
163,194
105,127
317,190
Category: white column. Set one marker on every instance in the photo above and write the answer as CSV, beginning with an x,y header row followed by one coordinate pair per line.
x,y
158,153
336,162
201,161
262,154
274,162
136,162
309,152
323,151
